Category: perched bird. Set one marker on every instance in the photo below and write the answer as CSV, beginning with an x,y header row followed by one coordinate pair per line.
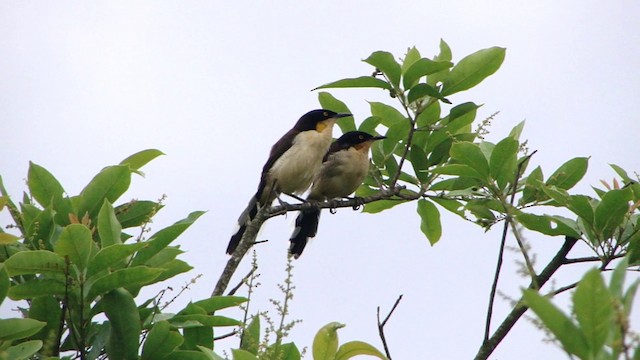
x,y
344,167
292,164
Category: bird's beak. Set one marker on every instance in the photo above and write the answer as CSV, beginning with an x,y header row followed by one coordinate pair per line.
x,y
338,116
378,138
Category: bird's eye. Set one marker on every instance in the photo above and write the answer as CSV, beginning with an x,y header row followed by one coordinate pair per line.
x,y
361,137
325,114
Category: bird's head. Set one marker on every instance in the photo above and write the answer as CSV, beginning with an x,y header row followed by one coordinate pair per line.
x,y
318,120
360,140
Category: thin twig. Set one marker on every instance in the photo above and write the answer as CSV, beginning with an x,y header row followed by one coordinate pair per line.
x,y
241,282
383,323
225,335
503,240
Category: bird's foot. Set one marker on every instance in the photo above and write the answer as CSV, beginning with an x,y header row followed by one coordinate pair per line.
x,y
359,202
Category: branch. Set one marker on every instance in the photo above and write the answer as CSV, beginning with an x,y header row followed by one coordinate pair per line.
x,y
383,323
490,344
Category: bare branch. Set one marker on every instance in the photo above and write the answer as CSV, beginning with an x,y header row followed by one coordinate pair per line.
x,y
383,323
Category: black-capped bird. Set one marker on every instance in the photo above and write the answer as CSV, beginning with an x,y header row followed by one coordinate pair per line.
x,y
293,163
344,167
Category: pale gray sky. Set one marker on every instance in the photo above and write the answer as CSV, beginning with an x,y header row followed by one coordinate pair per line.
x,y
215,84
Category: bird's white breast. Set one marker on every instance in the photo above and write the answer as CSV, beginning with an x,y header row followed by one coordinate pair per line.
x,y
296,168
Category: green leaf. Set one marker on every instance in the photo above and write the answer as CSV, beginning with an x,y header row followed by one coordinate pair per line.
x,y
617,277
472,69
622,173
164,237
423,67
569,173
43,186
560,325
23,350
136,212
325,343
385,62
140,159
111,256
503,162
517,131
421,90
251,336
355,348
369,125
187,355
445,52
8,239
410,58
202,319
399,131
133,276
430,221
36,287
552,225
14,329
171,269
380,205
215,303
35,262
76,243
210,354
593,307
419,162
429,115
243,355
49,310
470,154
124,320
5,283
109,184
359,82
160,341
533,187
388,115
287,351
109,228
611,212
458,170
42,228
329,102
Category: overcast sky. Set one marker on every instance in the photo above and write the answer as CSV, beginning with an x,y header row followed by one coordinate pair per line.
x,y
215,84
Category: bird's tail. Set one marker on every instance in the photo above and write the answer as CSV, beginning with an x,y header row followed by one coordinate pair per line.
x,y
246,217
306,228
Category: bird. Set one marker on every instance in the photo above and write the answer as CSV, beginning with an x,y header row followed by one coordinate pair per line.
x,y
343,169
292,165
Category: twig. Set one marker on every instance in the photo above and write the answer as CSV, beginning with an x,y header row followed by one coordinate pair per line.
x,y
241,282
383,323
489,345
225,335
503,240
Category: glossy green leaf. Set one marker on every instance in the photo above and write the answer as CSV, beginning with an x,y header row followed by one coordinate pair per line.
x,y
23,350
140,159
5,283
76,243
472,69
419,162
355,348
124,320
410,58
552,225
187,355
109,228
219,302
618,275
109,184
369,125
160,341
49,310
41,229
239,354
569,173
423,67
388,115
445,52
533,187
444,55
610,212
429,115
560,325
359,82
421,90
461,115
210,354
517,131
503,162
43,186
287,351
399,131
36,287
430,221
470,154
171,269
385,62
164,237
14,329
8,239
325,343
250,340
380,205
35,262
593,307
111,256
329,102
133,276
136,212
202,319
